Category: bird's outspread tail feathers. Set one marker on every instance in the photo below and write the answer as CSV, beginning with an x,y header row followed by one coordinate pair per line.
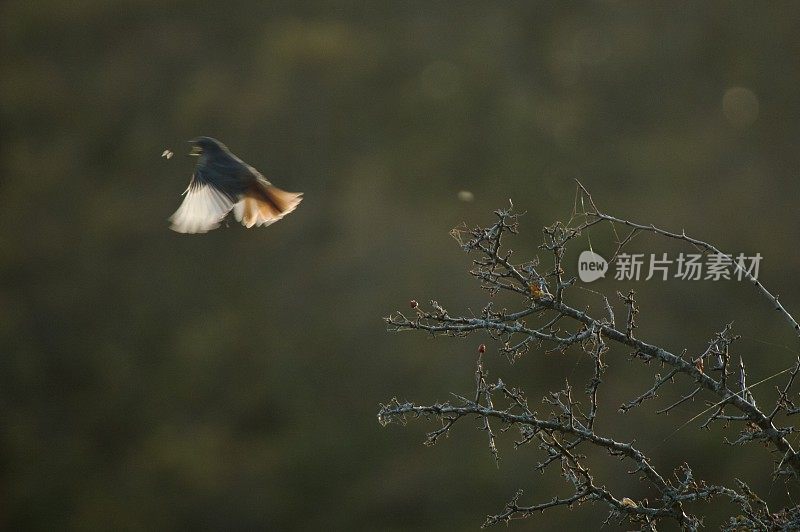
x,y
264,204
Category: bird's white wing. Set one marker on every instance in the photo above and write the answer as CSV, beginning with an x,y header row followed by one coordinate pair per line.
x,y
202,209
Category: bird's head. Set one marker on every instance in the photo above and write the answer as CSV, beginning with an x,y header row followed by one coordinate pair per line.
x,y
206,146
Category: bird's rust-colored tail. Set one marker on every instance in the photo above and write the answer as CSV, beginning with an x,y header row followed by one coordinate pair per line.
x,y
264,204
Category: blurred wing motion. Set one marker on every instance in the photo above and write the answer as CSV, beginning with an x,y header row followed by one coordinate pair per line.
x,y
218,188
202,209
263,204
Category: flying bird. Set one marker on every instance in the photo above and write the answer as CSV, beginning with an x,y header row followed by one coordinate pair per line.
x,y
222,182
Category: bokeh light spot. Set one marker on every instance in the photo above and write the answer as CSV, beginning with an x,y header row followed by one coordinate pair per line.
x,y
740,106
440,79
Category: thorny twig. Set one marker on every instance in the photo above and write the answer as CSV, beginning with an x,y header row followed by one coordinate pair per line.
x,y
546,321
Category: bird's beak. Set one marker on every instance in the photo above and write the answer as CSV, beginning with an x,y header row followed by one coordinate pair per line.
x,y
196,151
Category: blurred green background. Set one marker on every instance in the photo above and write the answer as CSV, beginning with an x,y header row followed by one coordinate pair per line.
x,y
151,380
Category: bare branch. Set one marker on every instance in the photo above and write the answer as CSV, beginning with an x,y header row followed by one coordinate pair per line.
x,y
545,320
